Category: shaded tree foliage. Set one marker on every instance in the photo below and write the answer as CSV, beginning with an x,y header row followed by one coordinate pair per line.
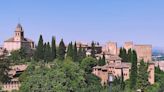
x,y
133,73
70,50
142,78
39,53
61,50
93,49
53,48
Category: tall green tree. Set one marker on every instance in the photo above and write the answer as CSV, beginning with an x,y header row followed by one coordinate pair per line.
x,y
53,48
81,53
120,54
142,78
133,73
130,55
122,83
39,53
61,50
75,58
70,50
47,52
101,61
123,54
93,49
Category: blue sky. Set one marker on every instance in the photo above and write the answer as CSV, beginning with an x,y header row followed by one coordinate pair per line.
x,y
141,21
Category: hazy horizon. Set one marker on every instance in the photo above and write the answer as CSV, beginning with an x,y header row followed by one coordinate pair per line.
x,y
85,20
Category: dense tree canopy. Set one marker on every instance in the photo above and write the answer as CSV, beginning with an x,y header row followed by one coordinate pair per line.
x,y
64,76
4,67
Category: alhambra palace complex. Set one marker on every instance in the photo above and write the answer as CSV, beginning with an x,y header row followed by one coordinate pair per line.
x,y
113,66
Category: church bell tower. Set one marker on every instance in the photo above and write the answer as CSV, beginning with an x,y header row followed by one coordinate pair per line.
x,y
19,33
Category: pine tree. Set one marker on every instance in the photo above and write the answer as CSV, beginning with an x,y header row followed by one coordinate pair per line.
x,y
93,50
142,78
70,50
133,74
75,53
53,48
39,53
62,50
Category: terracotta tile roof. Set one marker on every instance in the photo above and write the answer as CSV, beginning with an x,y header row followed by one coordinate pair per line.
x,y
24,40
10,39
112,58
114,65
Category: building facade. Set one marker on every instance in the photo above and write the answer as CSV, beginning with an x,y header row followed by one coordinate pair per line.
x,y
18,41
117,68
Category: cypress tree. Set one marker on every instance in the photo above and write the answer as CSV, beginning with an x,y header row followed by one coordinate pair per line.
x,y
45,53
81,54
129,55
39,54
53,48
48,50
84,52
122,80
75,53
133,73
142,77
62,50
93,49
120,54
70,50
99,61
103,59
124,55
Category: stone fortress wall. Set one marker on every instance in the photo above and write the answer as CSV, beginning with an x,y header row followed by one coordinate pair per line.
x,y
143,51
110,47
